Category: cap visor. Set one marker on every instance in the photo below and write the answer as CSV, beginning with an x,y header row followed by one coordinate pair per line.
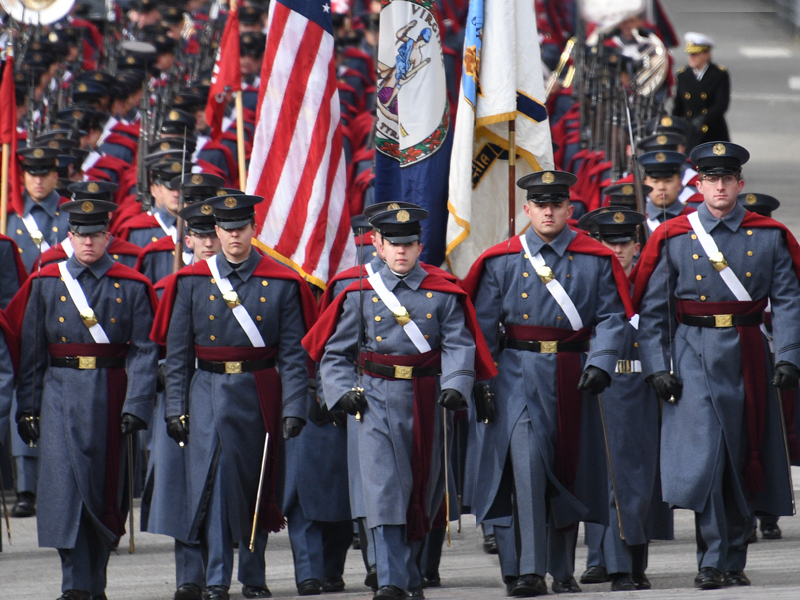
x,y
229,225
84,229
401,239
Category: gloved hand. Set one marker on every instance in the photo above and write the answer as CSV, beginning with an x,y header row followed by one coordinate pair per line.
x,y
178,429
28,428
451,399
318,413
131,423
337,416
666,385
161,377
594,380
786,376
485,407
353,402
697,123
292,426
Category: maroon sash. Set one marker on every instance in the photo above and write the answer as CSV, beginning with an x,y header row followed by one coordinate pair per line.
x,y
268,388
569,396
417,521
754,374
117,384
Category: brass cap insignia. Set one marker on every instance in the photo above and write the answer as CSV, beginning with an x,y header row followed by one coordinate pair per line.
x,y
666,122
661,157
662,139
548,177
53,37
164,145
93,188
38,153
174,115
222,193
619,217
76,114
230,202
719,149
87,207
176,167
403,216
751,199
627,190
52,144
393,206
130,60
197,179
98,77
205,209
82,87
179,99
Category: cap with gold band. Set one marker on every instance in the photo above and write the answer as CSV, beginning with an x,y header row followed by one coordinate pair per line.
x,y
697,42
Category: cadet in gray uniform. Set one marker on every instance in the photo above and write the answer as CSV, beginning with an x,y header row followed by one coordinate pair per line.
x,y
239,315
722,451
662,172
558,294
632,418
87,366
416,320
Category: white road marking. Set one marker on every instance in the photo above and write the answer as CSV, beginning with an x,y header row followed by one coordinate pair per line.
x,y
765,52
794,83
767,97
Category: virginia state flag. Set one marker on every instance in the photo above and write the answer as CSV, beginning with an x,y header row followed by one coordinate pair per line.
x,y
413,117
501,80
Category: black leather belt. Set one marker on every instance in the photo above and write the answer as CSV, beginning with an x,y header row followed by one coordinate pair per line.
x,y
400,371
87,363
717,321
546,347
233,367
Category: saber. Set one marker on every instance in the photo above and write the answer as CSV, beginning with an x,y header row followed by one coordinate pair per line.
x,y
258,495
361,268
5,507
610,466
446,480
131,544
779,399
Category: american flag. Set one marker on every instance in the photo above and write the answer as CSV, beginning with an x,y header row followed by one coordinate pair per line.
x,y
297,163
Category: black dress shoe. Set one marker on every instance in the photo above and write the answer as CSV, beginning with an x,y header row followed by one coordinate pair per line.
x,y
371,580
566,587
188,591
753,537
26,507
309,587
529,585
708,578
735,578
622,582
332,584
75,595
510,581
641,581
416,593
431,581
490,544
254,591
100,597
594,575
771,531
217,592
389,592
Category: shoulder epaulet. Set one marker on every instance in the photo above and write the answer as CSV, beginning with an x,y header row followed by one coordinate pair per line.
x,y
681,70
721,68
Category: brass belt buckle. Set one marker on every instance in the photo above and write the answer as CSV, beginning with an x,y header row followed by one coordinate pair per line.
x,y
548,347
624,367
233,367
87,362
401,372
723,320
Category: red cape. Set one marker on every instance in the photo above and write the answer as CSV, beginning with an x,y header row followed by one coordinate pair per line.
x,y
318,336
11,340
267,267
117,246
680,225
581,244
22,274
18,304
164,244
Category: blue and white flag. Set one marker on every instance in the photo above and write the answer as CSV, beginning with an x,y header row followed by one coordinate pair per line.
x,y
502,80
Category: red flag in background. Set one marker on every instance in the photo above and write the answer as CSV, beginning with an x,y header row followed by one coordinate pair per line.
x,y
227,76
8,133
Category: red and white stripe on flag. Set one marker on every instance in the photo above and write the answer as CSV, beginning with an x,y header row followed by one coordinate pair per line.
x,y
297,163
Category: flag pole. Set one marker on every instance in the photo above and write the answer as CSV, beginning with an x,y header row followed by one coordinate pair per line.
x,y
240,139
4,189
512,176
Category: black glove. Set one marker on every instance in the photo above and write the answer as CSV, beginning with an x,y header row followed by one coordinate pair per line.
x,y
666,385
594,380
697,123
178,429
131,423
337,416
451,399
485,407
28,427
317,413
161,377
786,376
292,426
353,402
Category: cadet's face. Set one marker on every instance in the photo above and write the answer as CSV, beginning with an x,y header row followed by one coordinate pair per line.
x,y
377,241
665,189
249,65
720,193
203,246
40,186
401,258
548,218
165,197
89,248
625,253
236,243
